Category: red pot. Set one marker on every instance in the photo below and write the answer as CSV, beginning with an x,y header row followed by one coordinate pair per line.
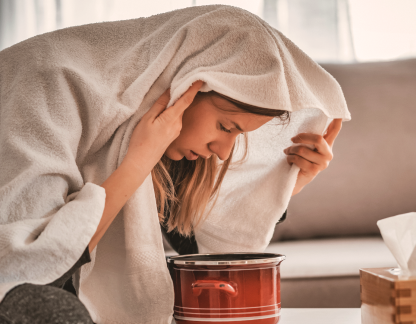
x,y
226,288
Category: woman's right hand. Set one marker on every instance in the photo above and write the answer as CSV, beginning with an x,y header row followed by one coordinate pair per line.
x,y
158,128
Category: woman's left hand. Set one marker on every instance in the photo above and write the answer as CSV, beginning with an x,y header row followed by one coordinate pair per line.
x,y
310,161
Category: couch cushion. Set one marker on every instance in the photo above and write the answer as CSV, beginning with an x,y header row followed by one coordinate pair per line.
x,y
329,292
372,175
342,257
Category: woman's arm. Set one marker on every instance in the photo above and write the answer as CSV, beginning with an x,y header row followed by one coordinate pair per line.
x,y
119,187
153,134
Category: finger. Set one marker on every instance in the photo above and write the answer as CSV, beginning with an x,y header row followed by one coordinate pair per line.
x,y
305,166
160,105
316,140
333,130
309,155
186,99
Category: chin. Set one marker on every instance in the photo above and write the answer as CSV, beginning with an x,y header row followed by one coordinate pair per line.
x,y
175,156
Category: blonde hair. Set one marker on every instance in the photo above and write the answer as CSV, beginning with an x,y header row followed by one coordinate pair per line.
x,y
184,188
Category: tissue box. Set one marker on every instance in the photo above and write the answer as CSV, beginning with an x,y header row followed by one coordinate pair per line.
x,y
387,297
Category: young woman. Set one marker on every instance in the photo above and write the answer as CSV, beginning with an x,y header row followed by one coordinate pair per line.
x,y
186,138
105,127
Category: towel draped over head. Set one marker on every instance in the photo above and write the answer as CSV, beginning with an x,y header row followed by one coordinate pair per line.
x,y
69,102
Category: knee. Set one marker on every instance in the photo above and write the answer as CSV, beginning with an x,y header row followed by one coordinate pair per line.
x,y
44,304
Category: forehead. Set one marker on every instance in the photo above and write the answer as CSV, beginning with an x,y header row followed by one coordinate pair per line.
x,y
229,111
224,105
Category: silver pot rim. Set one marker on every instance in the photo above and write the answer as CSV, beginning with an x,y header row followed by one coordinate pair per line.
x,y
239,258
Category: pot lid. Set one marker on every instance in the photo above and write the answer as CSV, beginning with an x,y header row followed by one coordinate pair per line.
x,y
227,258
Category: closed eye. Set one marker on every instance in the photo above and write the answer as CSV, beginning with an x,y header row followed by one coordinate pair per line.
x,y
225,129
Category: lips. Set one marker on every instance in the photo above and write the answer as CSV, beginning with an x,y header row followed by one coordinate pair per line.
x,y
202,156
192,156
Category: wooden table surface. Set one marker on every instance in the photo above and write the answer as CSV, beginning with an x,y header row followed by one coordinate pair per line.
x,y
319,316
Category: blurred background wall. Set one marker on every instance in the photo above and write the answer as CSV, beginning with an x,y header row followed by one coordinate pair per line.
x,y
327,30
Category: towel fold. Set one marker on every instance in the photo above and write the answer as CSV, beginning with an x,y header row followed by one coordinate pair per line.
x,y
69,102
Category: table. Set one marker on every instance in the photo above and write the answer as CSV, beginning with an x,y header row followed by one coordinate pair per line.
x,y
319,316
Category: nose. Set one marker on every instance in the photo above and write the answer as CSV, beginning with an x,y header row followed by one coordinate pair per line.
x,y
222,148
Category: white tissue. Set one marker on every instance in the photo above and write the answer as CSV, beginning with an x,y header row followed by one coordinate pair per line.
x,y
399,234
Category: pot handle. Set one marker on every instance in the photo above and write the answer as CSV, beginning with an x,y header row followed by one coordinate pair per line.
x,y
214,284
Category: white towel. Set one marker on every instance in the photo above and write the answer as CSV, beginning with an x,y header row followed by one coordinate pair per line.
x,y
69,102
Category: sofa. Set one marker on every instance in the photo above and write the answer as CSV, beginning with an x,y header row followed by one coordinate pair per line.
x,y
331,231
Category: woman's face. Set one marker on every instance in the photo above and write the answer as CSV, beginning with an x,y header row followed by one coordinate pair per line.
x,y
208,130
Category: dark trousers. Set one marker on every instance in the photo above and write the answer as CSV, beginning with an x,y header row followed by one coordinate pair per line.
x,y
42,304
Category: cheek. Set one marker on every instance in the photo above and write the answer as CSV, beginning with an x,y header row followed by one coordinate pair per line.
x,y
196,131
192,135
188,139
